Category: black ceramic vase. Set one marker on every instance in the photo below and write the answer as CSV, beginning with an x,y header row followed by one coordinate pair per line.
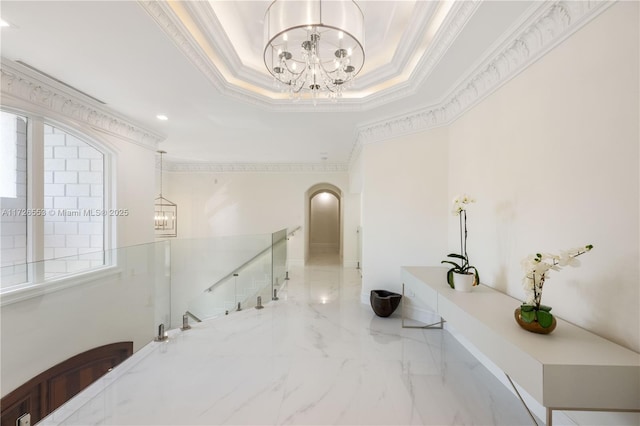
x,y
384,302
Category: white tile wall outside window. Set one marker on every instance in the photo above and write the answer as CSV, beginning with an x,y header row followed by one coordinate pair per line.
x,y
75,169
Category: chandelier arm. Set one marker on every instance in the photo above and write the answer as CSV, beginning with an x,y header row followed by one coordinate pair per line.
x,y
330,89
299,89
297,74
328,84
299,81
293,85
331,73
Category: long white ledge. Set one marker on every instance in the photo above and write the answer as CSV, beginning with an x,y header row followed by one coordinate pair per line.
x,y
569,369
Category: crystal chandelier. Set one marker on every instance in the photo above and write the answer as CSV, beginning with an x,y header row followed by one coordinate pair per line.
x,y
314,46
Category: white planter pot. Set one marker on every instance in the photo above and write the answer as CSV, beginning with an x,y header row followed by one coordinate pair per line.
x,y
463,282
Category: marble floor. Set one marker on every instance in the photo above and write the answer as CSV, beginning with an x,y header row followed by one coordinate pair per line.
x,y
315,357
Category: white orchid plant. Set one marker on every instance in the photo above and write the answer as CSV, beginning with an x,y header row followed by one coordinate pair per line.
x,y
537,267
460,204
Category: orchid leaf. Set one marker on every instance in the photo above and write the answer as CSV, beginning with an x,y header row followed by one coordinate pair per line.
x,y
528,316
457,256
526,308
457,268
545,308
545,319
450,277
475,271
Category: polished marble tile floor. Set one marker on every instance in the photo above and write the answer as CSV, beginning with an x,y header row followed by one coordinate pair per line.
x,y
315,357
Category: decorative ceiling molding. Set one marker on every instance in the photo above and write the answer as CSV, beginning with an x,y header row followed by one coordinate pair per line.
x,y
411,38
163,14
204,18
25,86
172,26
453,25
207,21
547,28
189,167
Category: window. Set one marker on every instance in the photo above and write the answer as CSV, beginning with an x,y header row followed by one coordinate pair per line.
x,y
13,198
54,214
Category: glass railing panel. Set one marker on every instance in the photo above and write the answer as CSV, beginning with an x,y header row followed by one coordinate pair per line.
x,y
64,306
359,247
74,264
255,280
220,300
13,275
200,264
244,286
27,274
279,261
162,288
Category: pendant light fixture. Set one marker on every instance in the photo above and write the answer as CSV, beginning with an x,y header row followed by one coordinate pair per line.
x,y
314,46
165,217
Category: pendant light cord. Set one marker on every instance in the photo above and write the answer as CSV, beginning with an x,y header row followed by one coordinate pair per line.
x,y
161,152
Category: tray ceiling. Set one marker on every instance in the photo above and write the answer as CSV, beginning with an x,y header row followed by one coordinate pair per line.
x,y
200,63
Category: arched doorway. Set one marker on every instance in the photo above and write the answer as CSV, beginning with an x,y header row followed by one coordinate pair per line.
x,y
323,206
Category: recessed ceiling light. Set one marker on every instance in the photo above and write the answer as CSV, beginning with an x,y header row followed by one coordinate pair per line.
x,y
162,117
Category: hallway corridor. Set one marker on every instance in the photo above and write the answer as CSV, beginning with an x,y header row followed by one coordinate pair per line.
x,y
315,357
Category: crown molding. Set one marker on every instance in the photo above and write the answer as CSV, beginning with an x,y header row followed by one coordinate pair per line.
x,y
167,20
446,35
163,14
189,167
410,42
547,27
206,21
24,88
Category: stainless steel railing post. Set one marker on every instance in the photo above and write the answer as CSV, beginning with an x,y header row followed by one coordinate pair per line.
x,y
162,336
185,323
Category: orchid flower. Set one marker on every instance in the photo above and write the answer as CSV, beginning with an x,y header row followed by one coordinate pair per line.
x,y
537,267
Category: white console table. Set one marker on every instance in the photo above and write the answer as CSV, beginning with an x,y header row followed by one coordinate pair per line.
x,y
569,369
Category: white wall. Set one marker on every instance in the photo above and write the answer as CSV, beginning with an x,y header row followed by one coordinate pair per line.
x,y
404,207
552,158
222,204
